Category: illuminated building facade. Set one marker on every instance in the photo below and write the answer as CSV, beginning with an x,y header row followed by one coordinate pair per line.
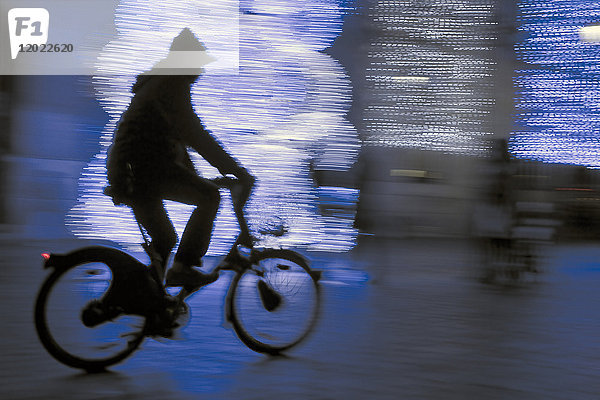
x,y
431,75
558,93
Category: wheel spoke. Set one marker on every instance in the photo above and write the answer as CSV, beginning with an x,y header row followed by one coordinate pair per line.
x,y
273,329
60,322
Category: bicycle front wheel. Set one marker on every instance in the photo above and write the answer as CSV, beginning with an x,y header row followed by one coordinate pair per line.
x,y
275,304
65,330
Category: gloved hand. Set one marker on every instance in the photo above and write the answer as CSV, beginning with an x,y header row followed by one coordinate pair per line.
x,y
246,178
240,194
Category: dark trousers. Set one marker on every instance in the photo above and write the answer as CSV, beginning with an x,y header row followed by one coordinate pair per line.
x,y
183,186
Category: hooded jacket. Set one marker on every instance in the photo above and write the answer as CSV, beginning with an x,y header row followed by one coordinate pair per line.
x,y
153,135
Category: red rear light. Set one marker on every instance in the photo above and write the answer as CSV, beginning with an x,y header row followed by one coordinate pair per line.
x,y
46,256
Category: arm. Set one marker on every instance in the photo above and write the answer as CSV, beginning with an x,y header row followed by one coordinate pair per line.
x,y
195,135
199,138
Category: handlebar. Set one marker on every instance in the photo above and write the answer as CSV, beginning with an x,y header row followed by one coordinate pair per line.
x,y
240,193
225,182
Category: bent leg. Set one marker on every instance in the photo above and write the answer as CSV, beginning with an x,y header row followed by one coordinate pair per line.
x,y
189,188
151,214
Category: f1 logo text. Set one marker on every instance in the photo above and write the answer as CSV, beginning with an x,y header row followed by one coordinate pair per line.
x,y
28,26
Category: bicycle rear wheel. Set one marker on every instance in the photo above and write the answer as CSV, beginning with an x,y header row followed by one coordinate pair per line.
x,y
275,304
65,301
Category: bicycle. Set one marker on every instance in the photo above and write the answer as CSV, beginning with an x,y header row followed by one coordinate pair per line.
x,y
99,303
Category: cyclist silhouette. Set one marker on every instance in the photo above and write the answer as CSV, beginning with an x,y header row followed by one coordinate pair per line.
x,y
148,163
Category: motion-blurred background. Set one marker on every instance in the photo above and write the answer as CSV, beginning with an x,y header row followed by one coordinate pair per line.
x,y
399,142
435,86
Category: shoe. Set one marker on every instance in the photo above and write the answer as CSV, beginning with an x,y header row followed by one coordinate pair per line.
x,y
189,277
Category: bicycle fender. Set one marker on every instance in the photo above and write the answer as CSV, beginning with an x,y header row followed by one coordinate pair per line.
x,y
108,255
132,286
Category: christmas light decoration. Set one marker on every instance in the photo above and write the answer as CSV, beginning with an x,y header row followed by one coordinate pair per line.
x,y
558,95
273,99
431,75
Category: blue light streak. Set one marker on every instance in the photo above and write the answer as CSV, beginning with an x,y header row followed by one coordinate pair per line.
x,y
431,75
558,91
277,107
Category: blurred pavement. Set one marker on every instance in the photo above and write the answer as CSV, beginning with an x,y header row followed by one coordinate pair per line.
x,y
421,328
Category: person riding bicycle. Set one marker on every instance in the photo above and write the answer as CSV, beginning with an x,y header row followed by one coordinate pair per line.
x,y
148,162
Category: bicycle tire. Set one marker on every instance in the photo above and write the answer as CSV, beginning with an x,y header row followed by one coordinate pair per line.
x,y
101,258
289,274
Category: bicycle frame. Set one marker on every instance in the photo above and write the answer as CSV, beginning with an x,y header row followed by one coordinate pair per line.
x,y
129,271
234,260
134,290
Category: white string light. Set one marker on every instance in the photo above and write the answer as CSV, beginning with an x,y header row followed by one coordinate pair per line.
x,y
431,75
558,99
278,110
